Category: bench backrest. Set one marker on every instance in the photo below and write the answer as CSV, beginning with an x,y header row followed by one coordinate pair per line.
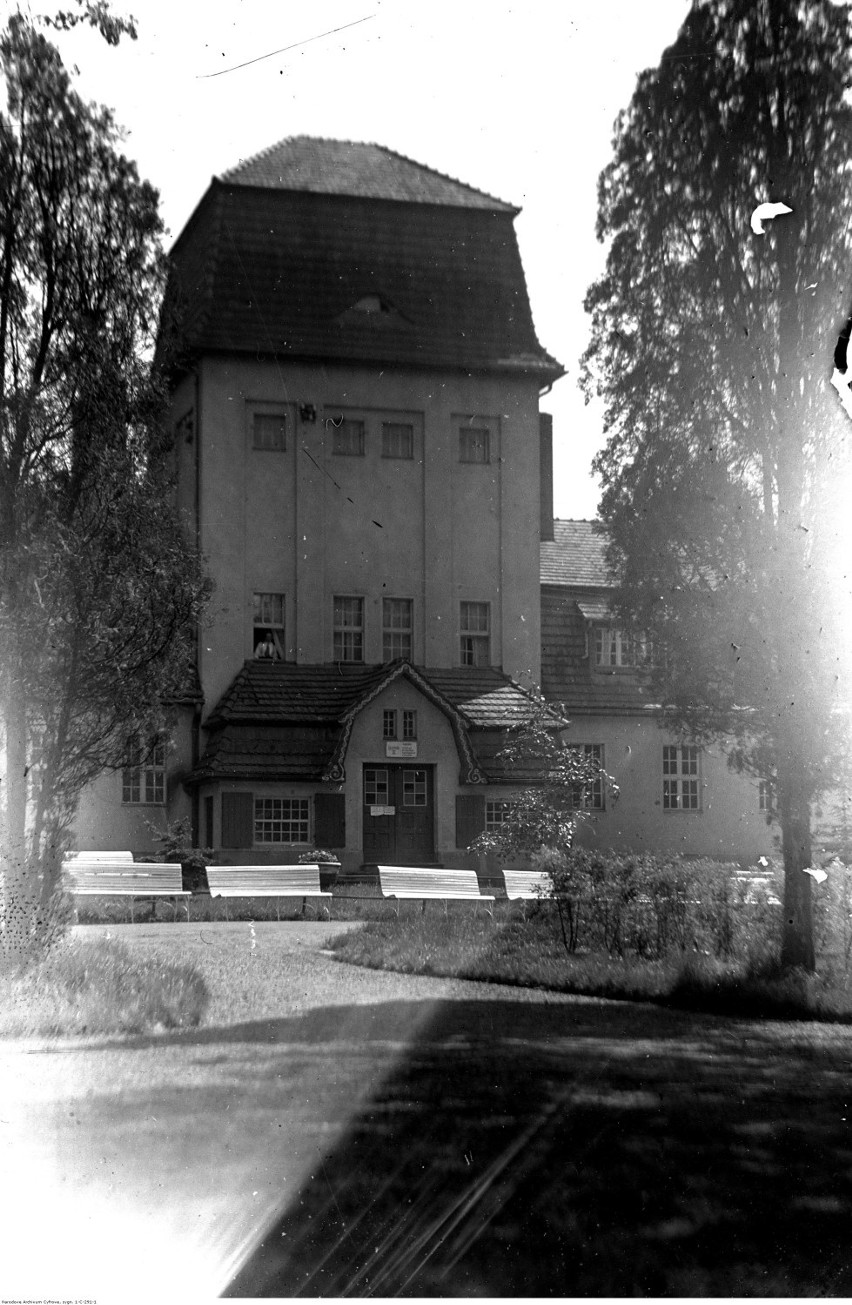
x,y
421,881
527,883
244,878
124,877
101,856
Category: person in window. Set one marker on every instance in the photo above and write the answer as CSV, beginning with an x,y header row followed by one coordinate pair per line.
x,y
266,651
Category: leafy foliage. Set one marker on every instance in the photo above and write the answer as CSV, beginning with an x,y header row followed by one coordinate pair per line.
x,y
726,468
545,813
99,592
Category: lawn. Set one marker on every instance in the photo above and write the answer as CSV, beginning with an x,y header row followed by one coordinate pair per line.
x,y
528,951
588,1149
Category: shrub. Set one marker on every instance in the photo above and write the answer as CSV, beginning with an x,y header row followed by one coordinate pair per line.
x,y
99,987
638,904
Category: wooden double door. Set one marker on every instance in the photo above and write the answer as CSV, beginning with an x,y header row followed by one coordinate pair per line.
x,y
399,814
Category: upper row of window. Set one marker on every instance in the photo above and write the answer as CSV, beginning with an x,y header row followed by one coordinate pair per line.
x,y
349,436
348,629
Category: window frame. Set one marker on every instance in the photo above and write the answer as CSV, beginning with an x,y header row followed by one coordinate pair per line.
x,y
272,819
409,724
632,651
468,424
343,421
144,772
278,628
479,638
284,412
590,795
345,629
389,723
391,425
390,631
494,807
686,770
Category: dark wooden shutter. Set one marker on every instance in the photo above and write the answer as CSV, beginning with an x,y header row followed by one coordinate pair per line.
x,y
330,820
470,817
237,819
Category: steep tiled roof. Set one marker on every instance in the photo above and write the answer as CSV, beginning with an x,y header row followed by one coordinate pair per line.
x,y
266,752
280,271
568,678
345,167
279,721
281,692
575,556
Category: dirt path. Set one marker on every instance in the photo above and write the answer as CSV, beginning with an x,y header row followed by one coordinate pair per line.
x,y
355,1132
155,1161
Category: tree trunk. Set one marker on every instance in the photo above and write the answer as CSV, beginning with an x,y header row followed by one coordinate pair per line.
x,y
797,930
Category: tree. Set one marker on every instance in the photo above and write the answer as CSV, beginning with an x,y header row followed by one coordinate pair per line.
x,y
99,591
726,463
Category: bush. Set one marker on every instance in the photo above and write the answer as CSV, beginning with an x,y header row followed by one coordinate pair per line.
x,y
98,987
636,904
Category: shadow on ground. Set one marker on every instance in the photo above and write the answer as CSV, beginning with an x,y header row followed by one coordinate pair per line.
x,y
521,1149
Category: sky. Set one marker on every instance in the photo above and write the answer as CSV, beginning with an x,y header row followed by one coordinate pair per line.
x,y
518,100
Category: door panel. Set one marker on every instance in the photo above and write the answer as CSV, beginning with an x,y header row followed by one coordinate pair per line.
x,y
403,833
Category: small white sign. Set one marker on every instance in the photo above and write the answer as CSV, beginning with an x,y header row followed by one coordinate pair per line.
x,y
408,749
382,811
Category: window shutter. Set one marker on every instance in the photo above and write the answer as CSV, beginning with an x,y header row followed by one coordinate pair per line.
x,y
208,822
237,819
470,817
330,819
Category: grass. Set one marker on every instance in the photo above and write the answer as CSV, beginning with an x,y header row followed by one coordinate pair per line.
x,y
355,902
529,953
91,987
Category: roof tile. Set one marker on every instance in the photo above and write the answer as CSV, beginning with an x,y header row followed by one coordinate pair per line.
x,y
359,168
576,555
279,272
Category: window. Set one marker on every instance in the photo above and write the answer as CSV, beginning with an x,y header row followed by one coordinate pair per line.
x,y
474,444
474,620
414,788
409,724
268,626
680,777
397,439
282,820
389,724
589,795
349,629
765,796
614,647
496,814
347,436
143,777
269,431
375,787
396,628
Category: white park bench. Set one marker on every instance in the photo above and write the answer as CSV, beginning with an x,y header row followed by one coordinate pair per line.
x,y
266,881
423,883
116,874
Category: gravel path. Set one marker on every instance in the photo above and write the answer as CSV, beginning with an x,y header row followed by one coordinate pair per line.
x,y
192,1139
335,1131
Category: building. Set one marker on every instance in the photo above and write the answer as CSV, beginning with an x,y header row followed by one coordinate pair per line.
x,y
361,458
358,456
672,796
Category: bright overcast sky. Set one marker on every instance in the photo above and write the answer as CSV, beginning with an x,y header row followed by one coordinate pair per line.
x,y
518,100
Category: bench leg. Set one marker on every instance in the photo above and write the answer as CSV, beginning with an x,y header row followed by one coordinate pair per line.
x,y
131,909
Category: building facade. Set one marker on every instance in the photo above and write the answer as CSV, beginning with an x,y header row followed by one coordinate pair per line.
x,y
361,459
356,411
672,797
